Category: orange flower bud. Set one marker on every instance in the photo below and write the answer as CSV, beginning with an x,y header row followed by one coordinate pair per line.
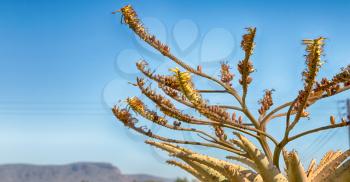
x,y
332,120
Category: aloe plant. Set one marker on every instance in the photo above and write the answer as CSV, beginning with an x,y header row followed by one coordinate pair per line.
x,y
245,161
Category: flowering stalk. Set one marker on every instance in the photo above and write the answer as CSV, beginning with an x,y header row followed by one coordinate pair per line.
x,y
131,18
228,130
314,48
245,67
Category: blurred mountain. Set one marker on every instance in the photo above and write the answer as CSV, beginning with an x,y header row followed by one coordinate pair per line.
x,y
76,172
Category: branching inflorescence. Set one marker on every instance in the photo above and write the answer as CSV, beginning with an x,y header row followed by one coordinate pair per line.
x,y
226,121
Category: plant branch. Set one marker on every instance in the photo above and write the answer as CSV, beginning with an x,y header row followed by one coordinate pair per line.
x,y
318,129
212,91
230,107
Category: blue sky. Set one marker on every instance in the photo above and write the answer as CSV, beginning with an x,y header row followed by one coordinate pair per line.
x,y
61,68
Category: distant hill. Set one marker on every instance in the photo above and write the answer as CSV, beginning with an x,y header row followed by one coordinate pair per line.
x,y
76,172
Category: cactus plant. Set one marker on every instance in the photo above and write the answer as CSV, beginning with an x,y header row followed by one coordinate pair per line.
x,y
258,163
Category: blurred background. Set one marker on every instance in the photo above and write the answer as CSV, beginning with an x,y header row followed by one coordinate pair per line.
x,y
65,63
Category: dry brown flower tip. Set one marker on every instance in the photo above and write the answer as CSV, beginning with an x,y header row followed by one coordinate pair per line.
x,y
131,18
247,43
124,116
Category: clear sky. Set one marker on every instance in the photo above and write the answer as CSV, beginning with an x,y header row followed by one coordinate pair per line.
x,y
64,63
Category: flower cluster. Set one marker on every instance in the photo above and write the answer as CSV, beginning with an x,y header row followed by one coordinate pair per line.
x,y
219,112
156,98
165,105
139,107
226,75
343,76
327,86
124,116
175,94
169,81
128,120
220,133
332,86
245,67
266,102
183,79
247,43
302,98
187,88
131,18
235,120
314,48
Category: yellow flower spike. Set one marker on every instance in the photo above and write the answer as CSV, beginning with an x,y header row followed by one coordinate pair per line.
x,y
175,70
186,86
139,107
